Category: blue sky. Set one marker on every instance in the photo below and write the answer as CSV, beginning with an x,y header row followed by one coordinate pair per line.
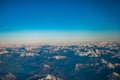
x,y
92,17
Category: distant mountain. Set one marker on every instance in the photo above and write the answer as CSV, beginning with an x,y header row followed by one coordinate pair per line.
x,y
43,77
113,76
8,76
84,61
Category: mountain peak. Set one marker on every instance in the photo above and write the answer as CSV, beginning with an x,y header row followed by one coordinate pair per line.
x,y
114,76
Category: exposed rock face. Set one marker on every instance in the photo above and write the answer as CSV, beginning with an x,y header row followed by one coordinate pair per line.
x,y
113,76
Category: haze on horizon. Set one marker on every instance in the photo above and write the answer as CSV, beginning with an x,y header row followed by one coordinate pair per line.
x,y
44,21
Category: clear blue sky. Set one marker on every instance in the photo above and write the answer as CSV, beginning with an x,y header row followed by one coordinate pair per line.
x,y
94,17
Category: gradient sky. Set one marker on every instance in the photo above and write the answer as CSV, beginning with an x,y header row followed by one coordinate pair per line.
x,y
59,20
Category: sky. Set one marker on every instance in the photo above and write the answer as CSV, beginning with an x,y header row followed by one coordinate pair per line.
x,y
59,20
